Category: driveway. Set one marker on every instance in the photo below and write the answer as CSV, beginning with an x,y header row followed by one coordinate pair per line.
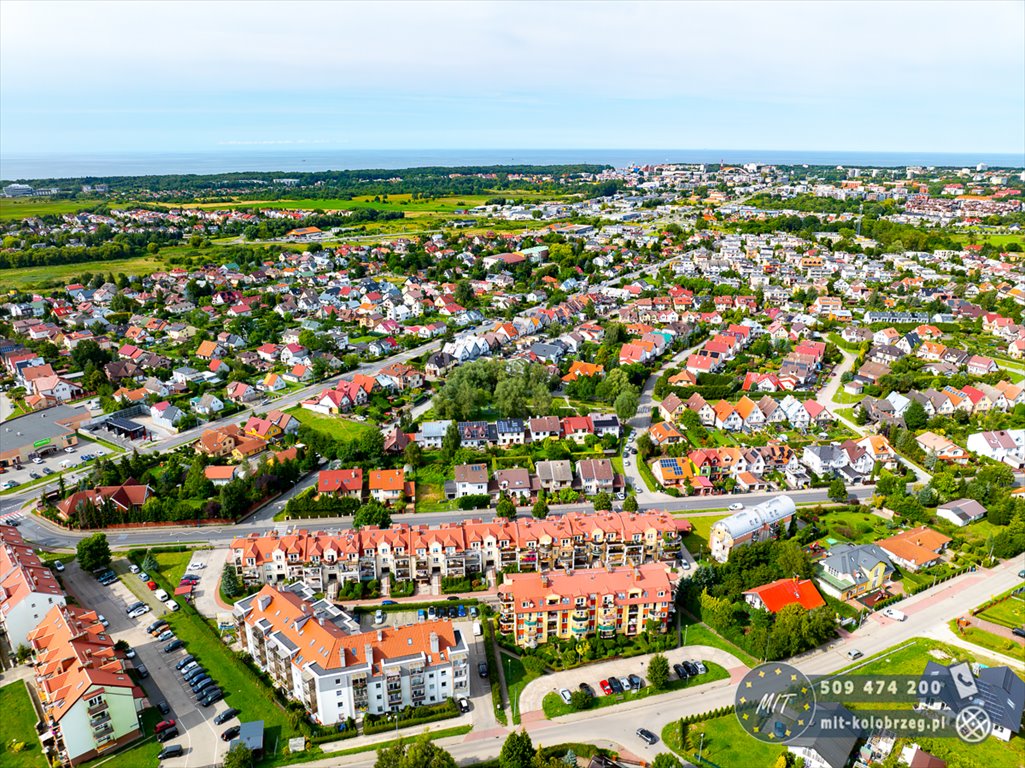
x,y
536,690
199,735
205,594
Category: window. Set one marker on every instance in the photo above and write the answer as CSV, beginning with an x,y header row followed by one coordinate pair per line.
x,y
94,701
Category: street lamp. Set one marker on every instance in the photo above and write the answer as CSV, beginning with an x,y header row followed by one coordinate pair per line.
x,y
508,687
701,746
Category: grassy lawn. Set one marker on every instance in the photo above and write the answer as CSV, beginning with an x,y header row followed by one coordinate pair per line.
x,y
24,207
1008,613
172,565
18,725
696,541
516,679
702,634
725,743
53,275
988,640
554,706
857,527
343,429
649,478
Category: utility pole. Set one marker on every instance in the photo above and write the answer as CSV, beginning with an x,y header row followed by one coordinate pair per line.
x,y
701,746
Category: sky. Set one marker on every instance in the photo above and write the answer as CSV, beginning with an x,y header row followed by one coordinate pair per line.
x,y
879,75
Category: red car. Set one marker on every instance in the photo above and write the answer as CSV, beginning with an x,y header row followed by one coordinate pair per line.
x,y
152,585
605,687
163,725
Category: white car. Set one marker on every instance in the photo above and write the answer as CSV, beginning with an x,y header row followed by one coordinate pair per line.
x,y
36,460
171,605
566,695
162,596
103,619
735,506
893,613
196,565
133,568
140,611
58,565
69,449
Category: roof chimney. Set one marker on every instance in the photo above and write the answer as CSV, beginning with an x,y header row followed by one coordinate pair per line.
x,y
435,644
380,635
368,651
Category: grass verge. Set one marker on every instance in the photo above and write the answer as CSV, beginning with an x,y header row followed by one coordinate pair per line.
x,y
19,746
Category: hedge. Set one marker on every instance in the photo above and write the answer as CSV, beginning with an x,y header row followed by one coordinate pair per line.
x,y
442,711
496,686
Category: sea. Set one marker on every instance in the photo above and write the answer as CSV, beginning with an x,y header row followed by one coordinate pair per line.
x,y
28,167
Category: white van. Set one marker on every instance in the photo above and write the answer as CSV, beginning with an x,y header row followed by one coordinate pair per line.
x,y
478,630
893,613
171,605
162,596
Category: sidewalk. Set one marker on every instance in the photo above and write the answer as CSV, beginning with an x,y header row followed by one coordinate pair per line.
x,y
402,733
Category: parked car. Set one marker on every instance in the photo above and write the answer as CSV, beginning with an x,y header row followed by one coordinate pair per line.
x,y
162,596
212,696
165,636
133,606
464,705
379,616
734,506
893,613
626,683
702,669
142,671
203,682
133,568
587,689
156,626
388,602
854,653
1019,631
482,669
474,613
432,612
461,611
102,619
184,661
615,685
174,645
680,671
453,612
635,682
162,725
225,716
647,736
231,733
421,615
58,566
152,585
175,750
605,687
135,613
194,674
143,576
164,707
171,605
691,667
130,653
166,735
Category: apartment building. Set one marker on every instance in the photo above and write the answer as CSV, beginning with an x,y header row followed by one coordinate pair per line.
x,y
310,651
538,607
90,703
28,589
758,523
421,553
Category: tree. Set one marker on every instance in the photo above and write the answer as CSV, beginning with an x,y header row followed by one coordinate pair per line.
x,y
666,760
837,491
239,756
602,500
915,416
540,510
630,505
230,585
413,454
451,442
580,700
372,513
517,751
626,403
422,753
93,552
658,671
506,508
150,564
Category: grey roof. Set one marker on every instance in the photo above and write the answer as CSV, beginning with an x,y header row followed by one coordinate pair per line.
x,y
832,745
1001,693
965,509
751,519
250,734
555,471
853,560
434,428
39,425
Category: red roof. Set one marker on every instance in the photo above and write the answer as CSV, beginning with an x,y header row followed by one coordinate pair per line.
x,y
783,592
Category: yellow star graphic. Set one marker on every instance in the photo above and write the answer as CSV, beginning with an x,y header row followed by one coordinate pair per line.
x,y
761,673
772,735
756,729
787,733
743,700
745,716
800,722
793,678
807,707
804,690
779,671
747,685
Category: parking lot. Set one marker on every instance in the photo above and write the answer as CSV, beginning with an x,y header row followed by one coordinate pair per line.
x,y
52,464
200,737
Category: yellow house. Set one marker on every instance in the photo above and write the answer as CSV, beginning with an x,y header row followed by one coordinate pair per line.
x,y
850,571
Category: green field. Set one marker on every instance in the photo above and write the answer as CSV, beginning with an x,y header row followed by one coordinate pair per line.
x,y
18,726
1008,613
554,706
996,240
693,633
858,527
725,743
172,565
696,541
337,427
56,275
24,207
988,640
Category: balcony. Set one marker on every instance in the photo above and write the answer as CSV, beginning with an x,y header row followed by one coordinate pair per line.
x,y
102,730
96,709
96,722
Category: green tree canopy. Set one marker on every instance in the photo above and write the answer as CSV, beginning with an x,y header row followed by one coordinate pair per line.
x,y
93,552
